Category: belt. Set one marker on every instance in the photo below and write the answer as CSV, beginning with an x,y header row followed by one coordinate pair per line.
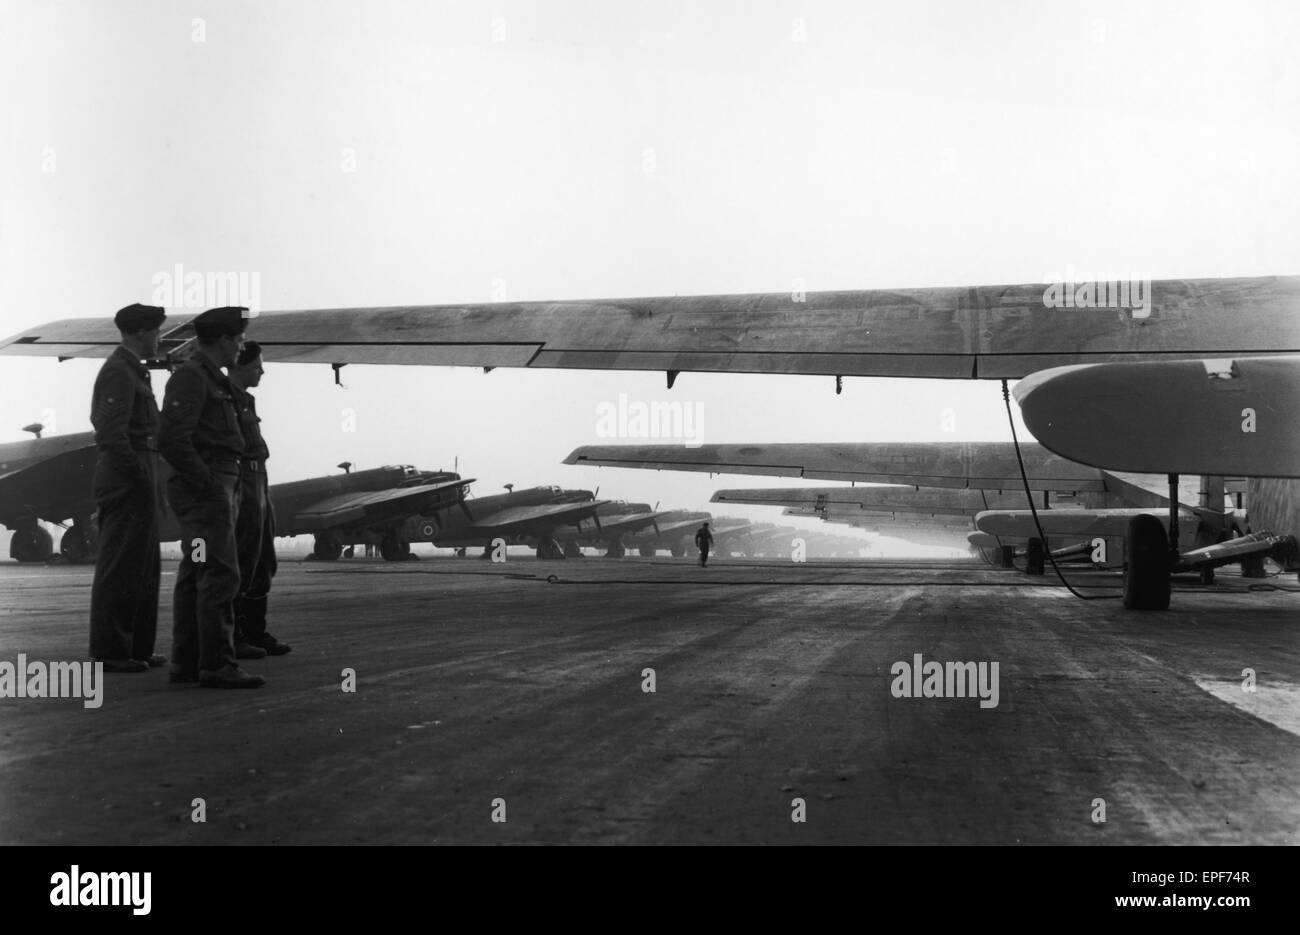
x,y
224,465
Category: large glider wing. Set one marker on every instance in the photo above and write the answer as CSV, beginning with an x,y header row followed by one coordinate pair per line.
x,y
983,465
951,332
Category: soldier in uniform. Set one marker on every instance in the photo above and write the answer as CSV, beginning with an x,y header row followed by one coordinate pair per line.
x,y
255,527
124,595
201,440
704,542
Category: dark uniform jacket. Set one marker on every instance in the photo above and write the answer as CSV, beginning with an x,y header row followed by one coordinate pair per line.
x,y
250,424
703,538
199,423
125,417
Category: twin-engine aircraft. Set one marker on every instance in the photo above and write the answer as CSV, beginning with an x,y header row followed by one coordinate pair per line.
x,y
1202,376
532,517
51,479
614,520
46,479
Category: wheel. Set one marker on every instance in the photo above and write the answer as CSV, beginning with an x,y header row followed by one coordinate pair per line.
x,y
1146,574
31,544
74,545
647,552
328,546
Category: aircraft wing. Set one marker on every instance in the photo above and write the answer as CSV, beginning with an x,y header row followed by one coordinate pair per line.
x,y
47,478
954,332
521,520
375,506
984,465
892,499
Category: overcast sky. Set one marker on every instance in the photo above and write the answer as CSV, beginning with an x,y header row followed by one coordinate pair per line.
x,y
384,153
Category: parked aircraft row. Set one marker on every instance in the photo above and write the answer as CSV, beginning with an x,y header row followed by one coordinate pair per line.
x,y
1203,379
50,479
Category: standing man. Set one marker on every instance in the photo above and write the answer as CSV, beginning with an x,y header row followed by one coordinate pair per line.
x,y
704,541
255,525
201,440
124,595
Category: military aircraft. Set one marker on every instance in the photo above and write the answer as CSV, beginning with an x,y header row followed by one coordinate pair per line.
x,y
673,530
1143,347
1219,535
614,520
998,515
46,479
519,517
380,502
51,479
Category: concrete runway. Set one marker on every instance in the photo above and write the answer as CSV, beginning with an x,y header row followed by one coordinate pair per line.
x,y
478,682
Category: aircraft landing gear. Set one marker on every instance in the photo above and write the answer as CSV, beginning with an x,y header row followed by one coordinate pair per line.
x,y
31,544
394,547
75,546
548,548
1146,572
327,547
1252,566
615,549
647,551
678,551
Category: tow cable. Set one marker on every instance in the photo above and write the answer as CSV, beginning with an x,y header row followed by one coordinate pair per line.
x,y
1006,398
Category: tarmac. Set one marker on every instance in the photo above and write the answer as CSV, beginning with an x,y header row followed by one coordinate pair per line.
x,y
511,703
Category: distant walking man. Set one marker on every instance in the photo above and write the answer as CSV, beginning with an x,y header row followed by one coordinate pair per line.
x,y
201,440
124,595
255,525
704,541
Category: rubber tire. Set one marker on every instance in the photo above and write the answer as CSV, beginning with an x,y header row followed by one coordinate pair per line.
x,y
327,547
73,546
1146,569
31,544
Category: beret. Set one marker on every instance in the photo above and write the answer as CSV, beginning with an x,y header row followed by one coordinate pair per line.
x,y
139,317
230,319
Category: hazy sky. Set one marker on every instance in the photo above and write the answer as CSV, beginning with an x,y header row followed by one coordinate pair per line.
x,y
377,153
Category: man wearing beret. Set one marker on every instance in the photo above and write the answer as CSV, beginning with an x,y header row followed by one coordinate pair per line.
x,y
201,440
255,525
124,595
